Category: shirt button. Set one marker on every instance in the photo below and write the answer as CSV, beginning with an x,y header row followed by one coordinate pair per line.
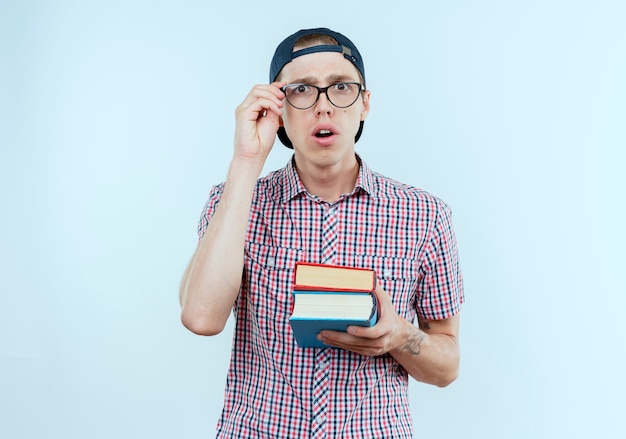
x,y
319,420
387,273
271,262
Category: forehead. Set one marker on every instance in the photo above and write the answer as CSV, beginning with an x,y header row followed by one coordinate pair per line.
x,y
319,67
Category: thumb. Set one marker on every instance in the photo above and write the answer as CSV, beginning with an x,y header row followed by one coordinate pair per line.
x,y
383,298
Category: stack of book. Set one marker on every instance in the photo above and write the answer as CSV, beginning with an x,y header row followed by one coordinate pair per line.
x,y
331,297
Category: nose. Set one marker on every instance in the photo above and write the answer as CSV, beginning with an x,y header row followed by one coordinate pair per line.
x,y
323,105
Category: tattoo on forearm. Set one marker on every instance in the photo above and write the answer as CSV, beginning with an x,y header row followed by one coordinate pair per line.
x,y
413,344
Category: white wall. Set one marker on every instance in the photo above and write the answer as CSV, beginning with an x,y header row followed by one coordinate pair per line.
x,y
116,117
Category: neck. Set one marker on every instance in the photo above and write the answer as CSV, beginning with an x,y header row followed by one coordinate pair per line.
x,y
329,182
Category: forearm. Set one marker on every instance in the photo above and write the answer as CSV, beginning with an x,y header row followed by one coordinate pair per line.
x,y
427,356
213,277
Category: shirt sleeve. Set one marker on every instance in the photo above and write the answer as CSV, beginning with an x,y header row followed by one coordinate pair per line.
x,y
209,209
440,290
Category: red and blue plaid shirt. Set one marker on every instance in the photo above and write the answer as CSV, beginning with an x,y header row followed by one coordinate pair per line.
x,y
276,389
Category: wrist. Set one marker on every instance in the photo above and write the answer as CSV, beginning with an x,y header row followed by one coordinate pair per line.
x,y
410,340
245,168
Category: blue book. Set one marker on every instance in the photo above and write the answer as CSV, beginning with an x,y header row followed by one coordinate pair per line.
x,y
314,311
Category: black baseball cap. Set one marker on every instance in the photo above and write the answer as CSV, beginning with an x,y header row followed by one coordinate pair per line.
x,y
284,54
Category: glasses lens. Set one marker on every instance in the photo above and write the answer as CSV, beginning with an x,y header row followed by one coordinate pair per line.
x,y
304,96
301,95
343,94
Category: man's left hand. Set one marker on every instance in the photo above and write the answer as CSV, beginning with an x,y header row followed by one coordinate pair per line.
x,y
389,332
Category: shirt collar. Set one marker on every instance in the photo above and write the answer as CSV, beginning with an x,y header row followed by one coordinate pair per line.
x,y
292,185
366,179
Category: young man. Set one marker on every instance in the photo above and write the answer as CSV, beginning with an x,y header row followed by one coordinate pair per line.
x,y
325,206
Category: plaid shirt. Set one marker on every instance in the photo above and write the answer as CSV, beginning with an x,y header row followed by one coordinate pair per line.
x,y
276,389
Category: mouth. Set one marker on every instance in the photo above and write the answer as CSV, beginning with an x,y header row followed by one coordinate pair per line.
x,y
323,133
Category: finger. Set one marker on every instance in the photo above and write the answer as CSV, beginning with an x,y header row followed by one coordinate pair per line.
x,y
380,329
386,310
370,333
335,336
356,336
278,85
262,101
258,108
263,108
382,295
354,344
259,100
267,91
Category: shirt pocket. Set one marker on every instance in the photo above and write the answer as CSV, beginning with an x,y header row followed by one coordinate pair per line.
x,y
268,280
271,257
398,277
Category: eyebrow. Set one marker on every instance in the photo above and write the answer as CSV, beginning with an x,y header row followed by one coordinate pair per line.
x,y
331,79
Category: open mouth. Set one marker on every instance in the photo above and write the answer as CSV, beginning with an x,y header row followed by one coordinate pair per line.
x,y
323,133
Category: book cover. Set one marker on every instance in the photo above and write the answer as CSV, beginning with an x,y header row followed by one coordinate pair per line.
x,y
324,277
314,311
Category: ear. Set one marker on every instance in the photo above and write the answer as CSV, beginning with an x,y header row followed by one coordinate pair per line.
x,y
366,105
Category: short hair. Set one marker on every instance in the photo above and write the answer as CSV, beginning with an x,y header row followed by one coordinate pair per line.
x,y
315,40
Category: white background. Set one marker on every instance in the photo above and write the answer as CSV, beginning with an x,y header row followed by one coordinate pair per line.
x,y
116,118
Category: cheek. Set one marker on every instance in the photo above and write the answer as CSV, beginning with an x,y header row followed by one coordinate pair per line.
x,y
289,115
292,124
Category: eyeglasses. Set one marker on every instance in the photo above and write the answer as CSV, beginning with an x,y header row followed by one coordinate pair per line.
x,y
340,94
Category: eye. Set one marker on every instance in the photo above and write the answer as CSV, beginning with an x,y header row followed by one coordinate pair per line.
x,y
301,89
343,87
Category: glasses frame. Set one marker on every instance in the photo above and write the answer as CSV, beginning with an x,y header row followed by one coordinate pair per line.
x,y
325,91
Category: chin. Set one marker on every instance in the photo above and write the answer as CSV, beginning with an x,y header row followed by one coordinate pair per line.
x,y
328,155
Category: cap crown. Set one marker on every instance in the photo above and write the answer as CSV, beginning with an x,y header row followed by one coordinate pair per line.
x,y
285,54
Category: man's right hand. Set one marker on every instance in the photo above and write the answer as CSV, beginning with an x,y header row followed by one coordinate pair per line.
x,y
257,121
